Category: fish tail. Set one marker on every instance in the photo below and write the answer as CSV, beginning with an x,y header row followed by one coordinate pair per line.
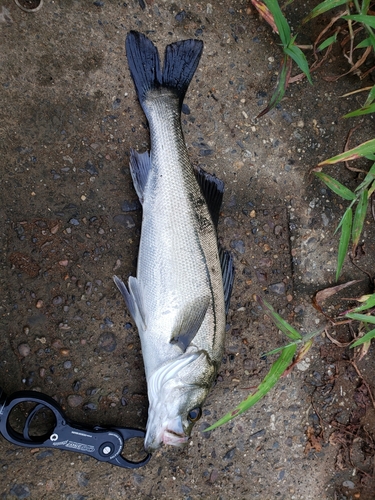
x,y
181,61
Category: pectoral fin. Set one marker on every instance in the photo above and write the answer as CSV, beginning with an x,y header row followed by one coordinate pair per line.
x,y
188,322
133,300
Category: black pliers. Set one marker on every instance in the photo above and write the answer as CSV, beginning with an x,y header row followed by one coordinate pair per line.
x,y
104,444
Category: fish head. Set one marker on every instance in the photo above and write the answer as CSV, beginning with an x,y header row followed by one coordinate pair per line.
x,y
177,391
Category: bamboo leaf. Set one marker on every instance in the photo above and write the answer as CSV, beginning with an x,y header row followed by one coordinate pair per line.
x,y
282,85
299,57
329,41
274,374
365,43
336,186
364,149
323,7
369,335
359,218
365,318
370,176
367,20
342,220
280,21
365,110
370,302
344,240
281,324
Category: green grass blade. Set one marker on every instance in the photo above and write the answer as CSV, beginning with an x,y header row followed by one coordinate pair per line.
x,y
280,21
299,57
364,149
365,318
367,20
359,217
342,220
369,336
370,176
272,377
365,43
365,110
336,186
323,7
281,324
346,229
329,41
370,97
282,84
370,302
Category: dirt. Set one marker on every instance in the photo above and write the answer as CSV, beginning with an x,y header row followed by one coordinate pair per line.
x,y
71,218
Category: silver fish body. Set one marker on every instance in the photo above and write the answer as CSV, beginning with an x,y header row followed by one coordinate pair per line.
x,y
177,299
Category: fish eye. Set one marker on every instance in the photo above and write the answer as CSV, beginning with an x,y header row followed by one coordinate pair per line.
x,y
195,414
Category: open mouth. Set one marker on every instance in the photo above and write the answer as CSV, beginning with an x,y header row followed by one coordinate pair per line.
x,y
174,438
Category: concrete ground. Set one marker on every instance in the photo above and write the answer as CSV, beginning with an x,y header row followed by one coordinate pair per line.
x,y
69,116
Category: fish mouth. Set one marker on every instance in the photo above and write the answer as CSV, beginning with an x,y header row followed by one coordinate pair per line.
x,y
174,438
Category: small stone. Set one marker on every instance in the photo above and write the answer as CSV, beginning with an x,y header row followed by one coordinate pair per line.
x,y
74,400
125,220
20,491
82,478
238,245
229,454
278,288
42,372
74,222
107,342
56,301
63,263
67,365
130,206
39,304
64,352
91,169
349,484
90,407
24,350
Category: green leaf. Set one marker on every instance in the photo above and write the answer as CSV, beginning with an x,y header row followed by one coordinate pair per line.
x,y
281,324
365,43
299,57
344,240
365,110
280,21
366,20
323,7
370,302
272,377
370,176
282,84
359,217
329,41
369,335
336,186
362,317
370,97
364,149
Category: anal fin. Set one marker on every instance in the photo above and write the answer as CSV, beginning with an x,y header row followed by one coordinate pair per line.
x,y
140,166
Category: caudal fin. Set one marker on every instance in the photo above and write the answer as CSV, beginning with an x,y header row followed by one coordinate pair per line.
x,y
181,61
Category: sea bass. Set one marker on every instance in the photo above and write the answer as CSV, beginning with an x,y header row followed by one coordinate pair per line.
x,y
181,293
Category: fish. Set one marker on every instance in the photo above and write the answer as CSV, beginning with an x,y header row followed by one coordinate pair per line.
x,y
180,295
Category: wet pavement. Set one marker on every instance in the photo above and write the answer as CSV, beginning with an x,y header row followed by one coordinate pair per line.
x,y
69,116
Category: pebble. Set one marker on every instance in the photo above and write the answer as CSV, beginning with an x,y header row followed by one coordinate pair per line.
x,y
74,400
67,365
24,350
20,491
90,168
238,245
229,454
82,478
56,301
90,407
107,342
349,484
130,206
180,16
39,304
74,222
125,220
278,288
